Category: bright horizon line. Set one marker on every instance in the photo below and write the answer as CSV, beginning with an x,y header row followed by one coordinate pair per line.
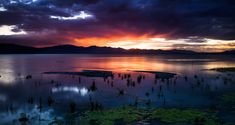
x,y
112,47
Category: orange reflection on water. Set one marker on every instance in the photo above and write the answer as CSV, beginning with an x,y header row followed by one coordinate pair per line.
x,y
13,64
124,63
142,62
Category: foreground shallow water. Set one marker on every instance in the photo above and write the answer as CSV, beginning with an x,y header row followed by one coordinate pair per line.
x,y
25,89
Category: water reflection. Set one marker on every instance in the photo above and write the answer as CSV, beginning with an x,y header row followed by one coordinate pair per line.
x,y
3,98
39,117
190,88
7,70
82,91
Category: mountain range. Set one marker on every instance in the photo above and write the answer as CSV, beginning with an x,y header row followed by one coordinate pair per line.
x,y
71,49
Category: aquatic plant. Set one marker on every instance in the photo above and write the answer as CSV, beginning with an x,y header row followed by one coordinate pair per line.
x,y
30,100
79,80
50,101
111,83
40,104
133,84
155,81
152,89
128,75
136,102
139,78
119,75
160,88
95,106
121,92
128,82
147,94
52,82
148,102
28,77
23,117
185,78
72,107
198,82
93,87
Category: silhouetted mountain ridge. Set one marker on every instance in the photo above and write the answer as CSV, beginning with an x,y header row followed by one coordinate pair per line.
x,y
229,52
71,49
15,49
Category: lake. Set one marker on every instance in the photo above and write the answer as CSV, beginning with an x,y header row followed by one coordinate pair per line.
x,y
25,88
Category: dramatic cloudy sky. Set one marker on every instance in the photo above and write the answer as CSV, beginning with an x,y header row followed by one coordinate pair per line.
x,y
200,25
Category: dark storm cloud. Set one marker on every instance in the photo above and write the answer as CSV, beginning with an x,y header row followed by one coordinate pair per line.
x,y
176,19
67,3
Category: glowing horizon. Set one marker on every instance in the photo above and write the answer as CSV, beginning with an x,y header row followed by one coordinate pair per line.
x,y
145,42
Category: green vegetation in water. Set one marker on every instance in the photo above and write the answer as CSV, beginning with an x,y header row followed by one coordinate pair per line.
x,y
227,69
108,117
228,98
173,116
131,115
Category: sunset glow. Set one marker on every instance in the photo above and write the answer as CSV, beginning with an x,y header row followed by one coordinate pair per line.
x,y
138,25
146,42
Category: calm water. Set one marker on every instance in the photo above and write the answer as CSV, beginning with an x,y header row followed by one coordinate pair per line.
x,y
15,90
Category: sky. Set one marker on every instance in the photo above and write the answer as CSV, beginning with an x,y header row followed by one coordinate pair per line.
x,y
198,25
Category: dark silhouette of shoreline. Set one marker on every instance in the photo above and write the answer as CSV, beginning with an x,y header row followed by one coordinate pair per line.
x,y
71,49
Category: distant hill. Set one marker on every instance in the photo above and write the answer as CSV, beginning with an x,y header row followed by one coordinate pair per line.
x,y
78,49
15,49
229,52
71,49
